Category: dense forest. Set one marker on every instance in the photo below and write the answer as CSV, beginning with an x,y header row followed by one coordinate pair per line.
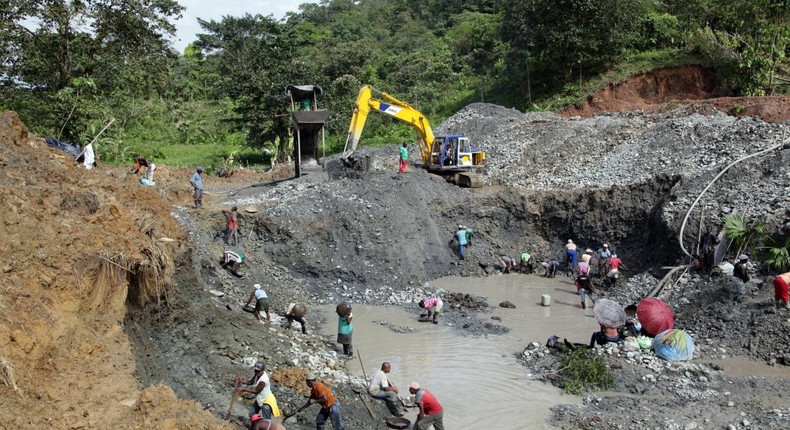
x,y
68,67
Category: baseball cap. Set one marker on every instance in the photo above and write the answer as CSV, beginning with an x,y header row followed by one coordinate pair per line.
x,y
414,385
260,365
199,168
743,257
310,377
570,241
257,286
605,245
256,417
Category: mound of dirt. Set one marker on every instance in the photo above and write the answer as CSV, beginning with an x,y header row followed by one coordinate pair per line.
x,y
80,246
665,89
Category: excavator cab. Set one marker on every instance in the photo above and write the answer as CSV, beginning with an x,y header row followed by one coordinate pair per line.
x,y
454,153
450,156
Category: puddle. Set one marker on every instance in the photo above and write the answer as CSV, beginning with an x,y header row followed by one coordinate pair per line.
x,y
477,380
743,366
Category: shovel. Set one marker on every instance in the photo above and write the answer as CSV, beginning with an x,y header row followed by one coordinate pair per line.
x,y
286,416
232,401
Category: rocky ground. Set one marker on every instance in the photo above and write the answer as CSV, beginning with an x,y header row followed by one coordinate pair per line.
x,y
377,237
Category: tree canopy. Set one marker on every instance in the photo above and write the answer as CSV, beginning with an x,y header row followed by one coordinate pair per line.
x,y
67,66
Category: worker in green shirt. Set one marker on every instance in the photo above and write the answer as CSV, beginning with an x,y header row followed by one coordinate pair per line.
x,y
524,265
404,158
469,234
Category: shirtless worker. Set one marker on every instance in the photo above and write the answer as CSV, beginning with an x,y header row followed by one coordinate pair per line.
x,y
257,422
296,312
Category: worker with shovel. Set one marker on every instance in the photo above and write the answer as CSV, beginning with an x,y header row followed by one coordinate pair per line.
x,y
261,303
381,388
265,403
330,408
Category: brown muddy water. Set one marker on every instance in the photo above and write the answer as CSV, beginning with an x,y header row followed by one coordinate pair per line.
x,y
477,380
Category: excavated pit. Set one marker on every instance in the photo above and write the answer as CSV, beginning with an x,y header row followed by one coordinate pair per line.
x,y
383,236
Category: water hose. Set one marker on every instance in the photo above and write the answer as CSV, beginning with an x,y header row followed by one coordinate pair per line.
x,y
685,219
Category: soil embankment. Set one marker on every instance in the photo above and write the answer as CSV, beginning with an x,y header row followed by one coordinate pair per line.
x,y
79,247
666,89
87,295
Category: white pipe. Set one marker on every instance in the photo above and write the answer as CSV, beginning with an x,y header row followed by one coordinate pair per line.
x,y
685,219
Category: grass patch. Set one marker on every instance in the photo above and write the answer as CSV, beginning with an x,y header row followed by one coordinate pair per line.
x,y
581,371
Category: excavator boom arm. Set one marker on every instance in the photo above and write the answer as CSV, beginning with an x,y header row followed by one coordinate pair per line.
x,y
393,107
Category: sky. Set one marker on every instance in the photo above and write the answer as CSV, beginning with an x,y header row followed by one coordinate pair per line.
x,y
188,27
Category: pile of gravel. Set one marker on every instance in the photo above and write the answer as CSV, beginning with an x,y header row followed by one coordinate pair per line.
x,y
542,151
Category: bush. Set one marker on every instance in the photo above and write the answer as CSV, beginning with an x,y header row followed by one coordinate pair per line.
x,y
580,370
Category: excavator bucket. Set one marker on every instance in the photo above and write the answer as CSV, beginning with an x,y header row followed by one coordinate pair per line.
x,y
468,180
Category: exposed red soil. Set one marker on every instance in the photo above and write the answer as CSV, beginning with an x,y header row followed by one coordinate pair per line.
x,y
79,247
670,88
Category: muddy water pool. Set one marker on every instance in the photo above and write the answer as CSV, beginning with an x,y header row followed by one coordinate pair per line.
x,y
477,379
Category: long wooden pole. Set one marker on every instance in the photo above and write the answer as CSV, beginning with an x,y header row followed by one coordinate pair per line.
x,y
359,356
232,401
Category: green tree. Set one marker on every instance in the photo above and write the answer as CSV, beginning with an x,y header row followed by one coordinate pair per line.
x,y
572,35
256,60
48,46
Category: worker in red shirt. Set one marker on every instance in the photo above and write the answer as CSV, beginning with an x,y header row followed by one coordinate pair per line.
x,y
781,283
233,226
431,412
614,269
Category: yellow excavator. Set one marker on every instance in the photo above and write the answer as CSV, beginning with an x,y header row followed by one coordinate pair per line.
x,y
451,156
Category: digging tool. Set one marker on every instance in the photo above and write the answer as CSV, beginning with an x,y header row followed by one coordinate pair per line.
x,y
232,400
286,416
359,393
365,375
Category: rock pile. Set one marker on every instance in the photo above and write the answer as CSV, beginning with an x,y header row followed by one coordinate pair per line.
x,y
544,151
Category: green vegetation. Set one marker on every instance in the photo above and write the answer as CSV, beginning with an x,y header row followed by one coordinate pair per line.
x,y
581,371
777,254
225,90
752,237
